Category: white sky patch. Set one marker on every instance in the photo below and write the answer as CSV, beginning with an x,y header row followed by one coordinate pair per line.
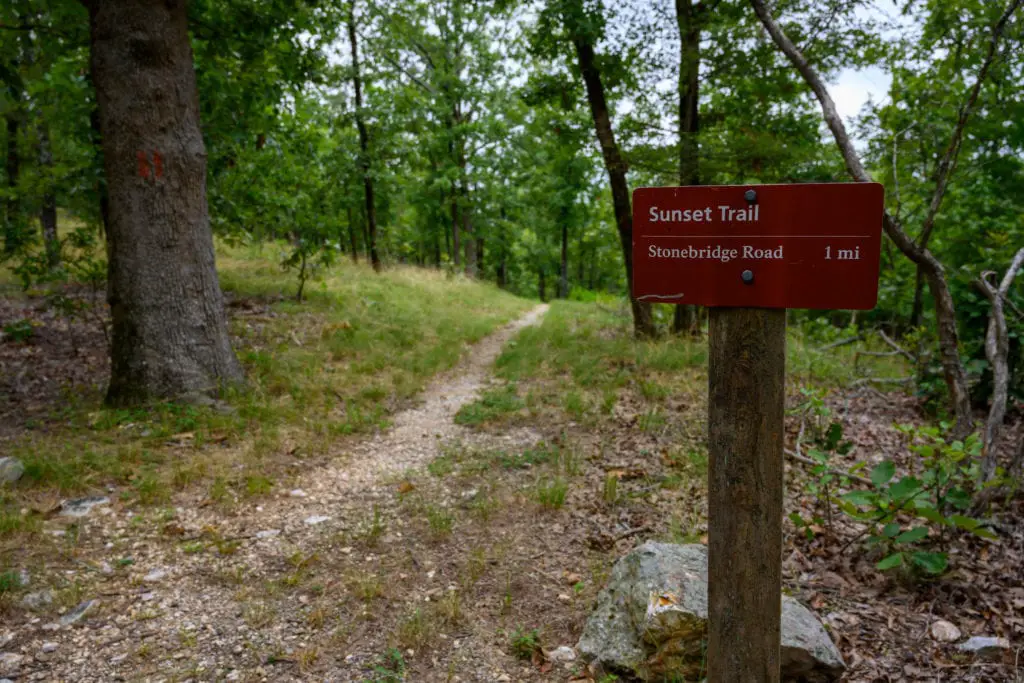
x,y
854,88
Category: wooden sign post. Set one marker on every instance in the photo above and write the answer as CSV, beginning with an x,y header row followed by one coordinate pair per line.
x,y
750,253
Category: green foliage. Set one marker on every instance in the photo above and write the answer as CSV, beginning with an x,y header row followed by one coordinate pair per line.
x,y
389,668
936,501
551,492
19,331
524,643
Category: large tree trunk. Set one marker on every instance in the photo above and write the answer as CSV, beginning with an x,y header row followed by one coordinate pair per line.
x,y
364,143
170,337
48,211
688,19
643,321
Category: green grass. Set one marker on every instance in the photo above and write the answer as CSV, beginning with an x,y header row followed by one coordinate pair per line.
x,y
339,363
493,405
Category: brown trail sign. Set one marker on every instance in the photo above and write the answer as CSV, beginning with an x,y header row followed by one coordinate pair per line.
x,y
750,253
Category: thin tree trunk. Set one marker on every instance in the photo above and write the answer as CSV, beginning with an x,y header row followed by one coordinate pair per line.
x,y
456,256
542,284
997,351
48,211
643,320
688,19
502,275
101,182
170,336
364,143
917,309
352,235
945,313
13,233
563,280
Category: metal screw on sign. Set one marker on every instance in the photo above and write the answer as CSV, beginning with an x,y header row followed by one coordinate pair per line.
x,y
750,196
748,277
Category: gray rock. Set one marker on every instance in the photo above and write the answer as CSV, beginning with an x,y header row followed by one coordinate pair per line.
x,y
651,621
10,663
11,470
49,647
562,654
985,647
77,613
37,600
313,520
155,575
80,507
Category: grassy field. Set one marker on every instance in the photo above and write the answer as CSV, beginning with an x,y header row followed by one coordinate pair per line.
x,y
338,363
586,361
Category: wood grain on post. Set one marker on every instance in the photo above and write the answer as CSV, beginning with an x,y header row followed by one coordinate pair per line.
x,y
746,402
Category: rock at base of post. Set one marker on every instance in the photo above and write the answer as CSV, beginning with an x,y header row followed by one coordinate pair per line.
x,y
651,621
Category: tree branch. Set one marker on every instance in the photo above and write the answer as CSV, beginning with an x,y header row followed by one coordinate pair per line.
x,y
949,342
953,149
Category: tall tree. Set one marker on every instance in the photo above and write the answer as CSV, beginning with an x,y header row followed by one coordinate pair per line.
x,y
689,19
364,141
170,336
935,272
582,26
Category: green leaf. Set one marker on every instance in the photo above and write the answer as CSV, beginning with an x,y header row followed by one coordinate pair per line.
x,y
966,523
933,563
912,535
891,529
905,488
931,514
894,560
860,497
982,532
883,472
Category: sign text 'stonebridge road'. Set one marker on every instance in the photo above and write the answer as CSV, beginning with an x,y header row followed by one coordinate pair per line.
x,y
767,246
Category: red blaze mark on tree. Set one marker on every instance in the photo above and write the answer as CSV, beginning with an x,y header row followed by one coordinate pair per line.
x,y
143,164
158,164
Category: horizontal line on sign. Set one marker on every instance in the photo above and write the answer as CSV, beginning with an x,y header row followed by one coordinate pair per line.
x,y
710,237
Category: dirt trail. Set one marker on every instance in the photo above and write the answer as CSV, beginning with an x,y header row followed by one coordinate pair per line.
x,y
220,609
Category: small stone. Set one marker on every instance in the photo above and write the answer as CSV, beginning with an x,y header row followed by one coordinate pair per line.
x,y
77,613
237,650
117,659
945,632
297,493
155,575
11,470
572,578
504,678
37,600
10,663
986,647
233,676
50,647
269,533
148,597
564,597
316,519
562,654
80,507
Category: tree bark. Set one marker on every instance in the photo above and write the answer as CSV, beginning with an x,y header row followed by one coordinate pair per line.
x,y
352,235
945,313
13,226
364,142
48,211
746,409
170,337
686,319
643,320
563,279
997,351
